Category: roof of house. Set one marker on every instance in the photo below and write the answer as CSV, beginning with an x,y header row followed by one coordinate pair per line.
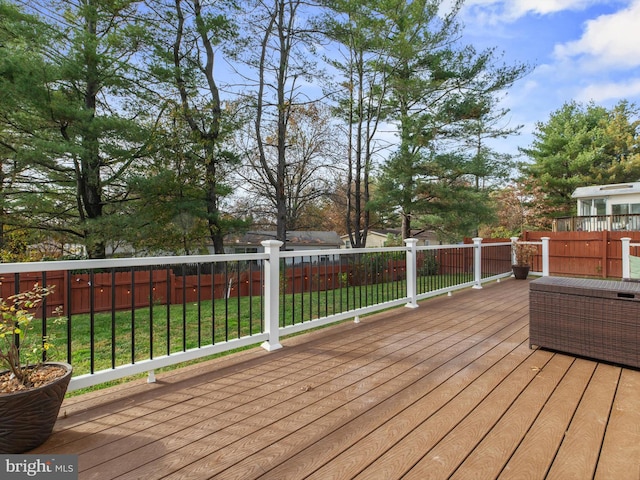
x,y
606,190
294,238
415,233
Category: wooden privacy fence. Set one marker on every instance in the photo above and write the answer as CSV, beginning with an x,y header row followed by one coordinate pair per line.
x,y
138,289
122,290
585,254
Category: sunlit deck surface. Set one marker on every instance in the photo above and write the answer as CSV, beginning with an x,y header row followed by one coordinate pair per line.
x,y
447,390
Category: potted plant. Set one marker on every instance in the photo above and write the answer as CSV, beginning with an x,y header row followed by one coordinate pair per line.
x,y
523,255
31,389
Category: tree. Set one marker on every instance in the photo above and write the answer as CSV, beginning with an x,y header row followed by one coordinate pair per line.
x,y
100,123
434,89
359,95
126,127
310,165
488,167
170,207
446,200
188,34
22,79
519,208
622,145
332,208
86,128
279,49
583,145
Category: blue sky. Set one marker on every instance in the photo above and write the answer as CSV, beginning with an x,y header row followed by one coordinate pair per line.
x,y
582,50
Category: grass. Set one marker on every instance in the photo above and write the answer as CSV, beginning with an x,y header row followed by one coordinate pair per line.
x,y
129,336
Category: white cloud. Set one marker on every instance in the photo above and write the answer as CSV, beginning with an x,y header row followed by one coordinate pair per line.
x,y
608,41
520,8
604,92
494,11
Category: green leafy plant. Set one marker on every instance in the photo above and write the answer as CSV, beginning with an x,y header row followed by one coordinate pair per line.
x,y
429,265
22,351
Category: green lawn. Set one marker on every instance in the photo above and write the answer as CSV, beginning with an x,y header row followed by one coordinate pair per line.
x,y
158,330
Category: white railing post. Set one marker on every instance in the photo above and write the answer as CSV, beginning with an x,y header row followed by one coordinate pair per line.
x,y
626,264
545,256
477,262
412,272
272,294
514,241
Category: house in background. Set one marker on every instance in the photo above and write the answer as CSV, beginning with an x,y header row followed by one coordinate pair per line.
x,y
251,242
385,237
51,250
610,207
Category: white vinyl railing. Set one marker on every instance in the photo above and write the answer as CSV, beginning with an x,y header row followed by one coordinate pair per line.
x,y
544,252
630,263
296,291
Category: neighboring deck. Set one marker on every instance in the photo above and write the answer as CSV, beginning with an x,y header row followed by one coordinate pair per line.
x,y
450,389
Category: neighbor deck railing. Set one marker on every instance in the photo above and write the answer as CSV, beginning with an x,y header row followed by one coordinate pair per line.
x,y
597,223
131,316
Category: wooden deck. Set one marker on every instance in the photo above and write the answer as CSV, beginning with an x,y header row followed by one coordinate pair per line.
x,y
447,390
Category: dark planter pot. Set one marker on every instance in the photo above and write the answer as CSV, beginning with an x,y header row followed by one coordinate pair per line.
x,y
520,272
27,417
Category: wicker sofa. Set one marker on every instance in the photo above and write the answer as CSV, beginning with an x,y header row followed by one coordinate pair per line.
x,y
599,319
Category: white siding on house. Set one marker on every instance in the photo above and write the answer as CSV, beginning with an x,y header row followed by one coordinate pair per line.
x,y
613,199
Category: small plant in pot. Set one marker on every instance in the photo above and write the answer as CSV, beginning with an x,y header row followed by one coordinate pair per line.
x,y
523,256
31,389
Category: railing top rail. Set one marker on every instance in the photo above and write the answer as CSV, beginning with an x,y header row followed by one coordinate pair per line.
x,y
439,247
27,267
353,251
497,244
604,215
339,251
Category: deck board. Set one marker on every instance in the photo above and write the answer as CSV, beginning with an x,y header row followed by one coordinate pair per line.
x,y
448,389
578,455
401,413
536,451
623,431
490,455
429,419
442,460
